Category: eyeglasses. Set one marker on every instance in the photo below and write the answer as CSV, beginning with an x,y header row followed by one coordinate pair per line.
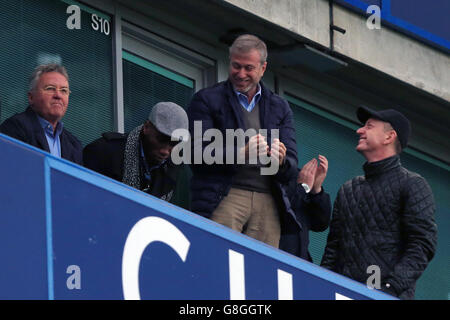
x,y
53,89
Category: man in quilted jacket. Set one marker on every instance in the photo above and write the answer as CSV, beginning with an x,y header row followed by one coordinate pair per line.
x,y
383,231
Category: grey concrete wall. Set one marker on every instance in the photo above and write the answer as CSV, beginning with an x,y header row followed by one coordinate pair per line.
x,y
386,50
393,53
309,18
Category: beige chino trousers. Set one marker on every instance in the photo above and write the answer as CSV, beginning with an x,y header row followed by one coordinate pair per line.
x,y
254,214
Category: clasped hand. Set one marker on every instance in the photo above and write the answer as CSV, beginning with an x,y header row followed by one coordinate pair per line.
x,y
257,146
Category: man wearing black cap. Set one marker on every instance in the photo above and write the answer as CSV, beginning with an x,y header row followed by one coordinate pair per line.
x,y
382,231
141,158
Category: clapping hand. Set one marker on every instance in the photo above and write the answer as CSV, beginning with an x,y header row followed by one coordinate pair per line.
x,y
313,173
321,174
278,151
255,148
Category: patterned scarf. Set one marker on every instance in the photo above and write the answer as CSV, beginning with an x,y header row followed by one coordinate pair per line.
x,y
131,174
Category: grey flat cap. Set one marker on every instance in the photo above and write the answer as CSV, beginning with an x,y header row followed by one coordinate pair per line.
x,y
168,117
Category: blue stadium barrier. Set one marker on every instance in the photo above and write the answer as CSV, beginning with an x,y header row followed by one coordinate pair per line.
x,y
69,233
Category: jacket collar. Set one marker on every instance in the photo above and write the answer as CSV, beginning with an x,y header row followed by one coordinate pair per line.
x,y
37,130
382,166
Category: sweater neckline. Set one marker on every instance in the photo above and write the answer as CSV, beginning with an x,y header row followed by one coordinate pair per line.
x,y
382,166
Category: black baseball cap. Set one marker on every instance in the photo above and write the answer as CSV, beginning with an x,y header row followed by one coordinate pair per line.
x,y
397,120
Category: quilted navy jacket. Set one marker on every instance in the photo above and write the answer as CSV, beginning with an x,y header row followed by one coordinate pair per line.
x,y
384,218
217,107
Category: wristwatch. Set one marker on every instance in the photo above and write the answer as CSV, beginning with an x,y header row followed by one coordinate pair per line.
x,y
306,187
